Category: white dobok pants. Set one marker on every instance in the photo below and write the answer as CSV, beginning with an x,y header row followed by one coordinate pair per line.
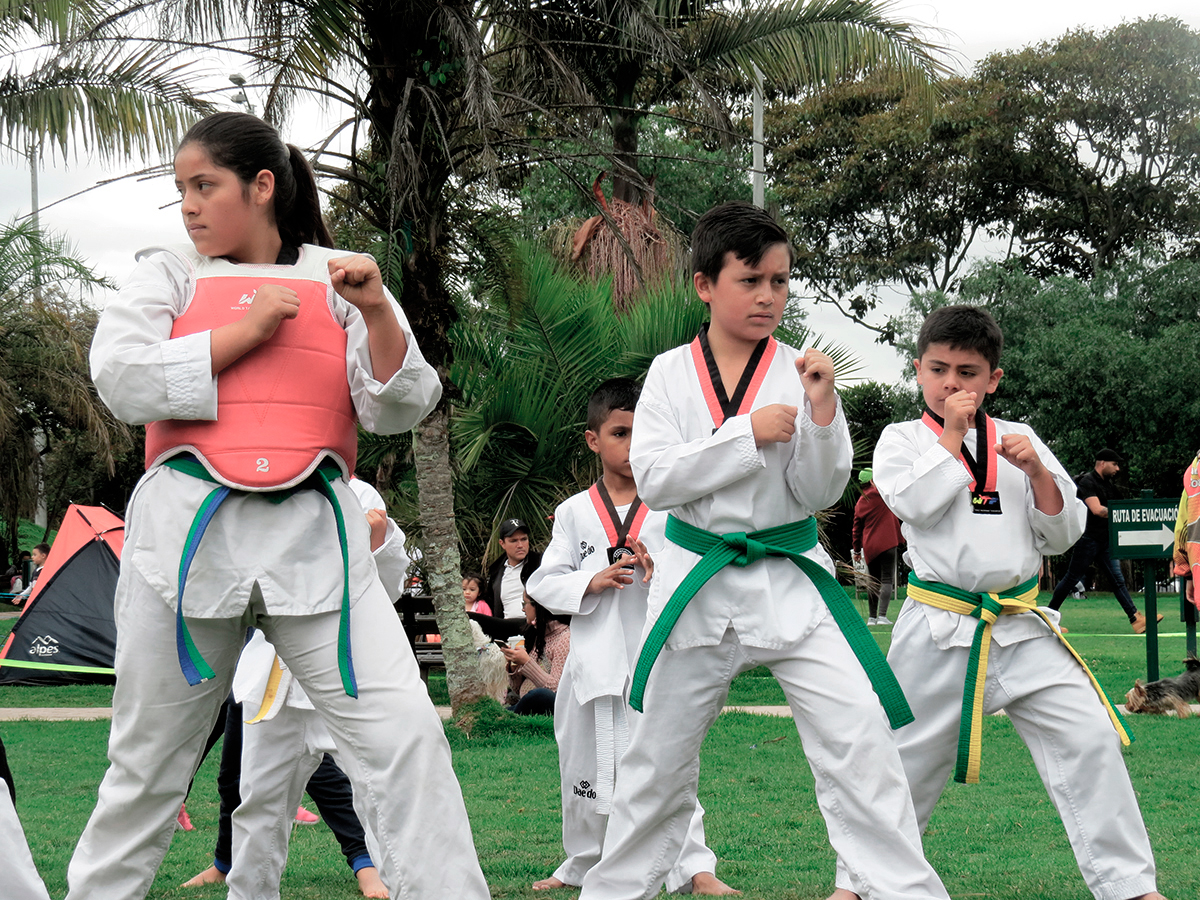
x,y
583,751
860,785
1056,712
389,739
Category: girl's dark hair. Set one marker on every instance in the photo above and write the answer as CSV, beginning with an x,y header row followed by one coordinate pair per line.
x,y
535,634
485,588
246,145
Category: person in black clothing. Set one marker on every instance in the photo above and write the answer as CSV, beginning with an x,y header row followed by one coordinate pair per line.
x,y
506,578
1095,490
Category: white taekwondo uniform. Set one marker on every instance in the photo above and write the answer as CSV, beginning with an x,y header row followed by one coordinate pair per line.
x,y
276,566
1030,674
284,740
768,613
591,715
21,879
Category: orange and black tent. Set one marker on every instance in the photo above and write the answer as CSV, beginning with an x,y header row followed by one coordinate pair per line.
x,y
66,633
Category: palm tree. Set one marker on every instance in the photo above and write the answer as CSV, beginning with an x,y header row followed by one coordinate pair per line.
x,y
625,59
62,90
45,386
439,95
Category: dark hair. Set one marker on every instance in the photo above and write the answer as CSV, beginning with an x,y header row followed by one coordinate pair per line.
x,y
736,227
246,145
535,634
616,393
485,587
963,328
45,548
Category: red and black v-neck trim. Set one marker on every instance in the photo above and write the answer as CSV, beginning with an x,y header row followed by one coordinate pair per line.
x,y
720,404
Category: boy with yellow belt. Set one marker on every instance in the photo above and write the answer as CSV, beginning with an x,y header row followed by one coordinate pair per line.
x,y
981,501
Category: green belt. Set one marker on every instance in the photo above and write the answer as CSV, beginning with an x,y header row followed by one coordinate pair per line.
x,y
741,549
194,668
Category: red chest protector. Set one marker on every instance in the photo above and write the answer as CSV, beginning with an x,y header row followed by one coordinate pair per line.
x,y
283,406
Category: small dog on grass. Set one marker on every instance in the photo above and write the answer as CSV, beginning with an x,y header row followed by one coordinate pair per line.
x,y
1167,694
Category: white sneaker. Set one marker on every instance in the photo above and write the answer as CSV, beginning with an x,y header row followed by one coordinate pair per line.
x,y
872,621
883,620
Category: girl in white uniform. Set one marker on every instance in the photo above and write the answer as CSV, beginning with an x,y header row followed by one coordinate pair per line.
x,y
285,561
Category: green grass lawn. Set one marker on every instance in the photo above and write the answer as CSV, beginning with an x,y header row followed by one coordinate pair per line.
x,y
1099,631
999,839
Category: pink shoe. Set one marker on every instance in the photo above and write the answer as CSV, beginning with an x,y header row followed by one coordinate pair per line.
x,y
183,820
304,817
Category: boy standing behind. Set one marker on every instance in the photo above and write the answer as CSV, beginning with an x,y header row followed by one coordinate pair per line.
x,y
588,573
722,443
981,501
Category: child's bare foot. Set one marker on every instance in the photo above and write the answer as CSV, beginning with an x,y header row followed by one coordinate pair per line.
x,y
708,883
1153,895
843,894
550,884
369,883
211,875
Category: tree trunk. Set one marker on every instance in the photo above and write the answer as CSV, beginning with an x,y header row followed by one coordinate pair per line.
x,y
431,452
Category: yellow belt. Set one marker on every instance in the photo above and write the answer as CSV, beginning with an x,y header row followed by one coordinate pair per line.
x,y
987,608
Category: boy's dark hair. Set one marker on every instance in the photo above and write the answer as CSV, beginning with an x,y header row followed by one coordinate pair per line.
x,y
616,393
45,548
963,328
246,145
735,227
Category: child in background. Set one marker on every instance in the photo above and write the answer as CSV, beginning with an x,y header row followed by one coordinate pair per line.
x,y
981,502
743,439
588,572
472,588
254,354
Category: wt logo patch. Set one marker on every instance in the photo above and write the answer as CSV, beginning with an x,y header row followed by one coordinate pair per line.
x,y
584,789
585,550
43,645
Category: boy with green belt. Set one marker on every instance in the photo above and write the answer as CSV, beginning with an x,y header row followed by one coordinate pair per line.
x,y
743,439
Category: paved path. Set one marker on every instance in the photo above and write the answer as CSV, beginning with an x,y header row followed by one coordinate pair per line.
x,y
84,714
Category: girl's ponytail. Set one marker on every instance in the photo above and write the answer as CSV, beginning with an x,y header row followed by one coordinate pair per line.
x,y
305,224
246,145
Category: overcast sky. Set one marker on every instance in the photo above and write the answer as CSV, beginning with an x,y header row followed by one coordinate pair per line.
x,y
108,224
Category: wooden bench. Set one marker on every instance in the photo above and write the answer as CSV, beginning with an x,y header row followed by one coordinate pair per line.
x,y
416,613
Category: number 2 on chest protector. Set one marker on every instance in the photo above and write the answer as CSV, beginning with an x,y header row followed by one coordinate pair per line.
x,y
264,464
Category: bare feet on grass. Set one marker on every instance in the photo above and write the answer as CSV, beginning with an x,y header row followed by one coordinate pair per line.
x,y
369,883
708,883
550,884
1153,895
843,894
211,875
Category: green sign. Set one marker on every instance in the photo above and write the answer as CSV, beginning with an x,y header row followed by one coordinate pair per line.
x,y
1142,529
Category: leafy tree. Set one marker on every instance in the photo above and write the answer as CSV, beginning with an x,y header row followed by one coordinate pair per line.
x,y
45,386
1107,147
1069,152
62,90
626,59
876,190
1100,363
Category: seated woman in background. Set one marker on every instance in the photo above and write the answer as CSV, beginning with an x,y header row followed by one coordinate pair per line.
x,y
535,668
